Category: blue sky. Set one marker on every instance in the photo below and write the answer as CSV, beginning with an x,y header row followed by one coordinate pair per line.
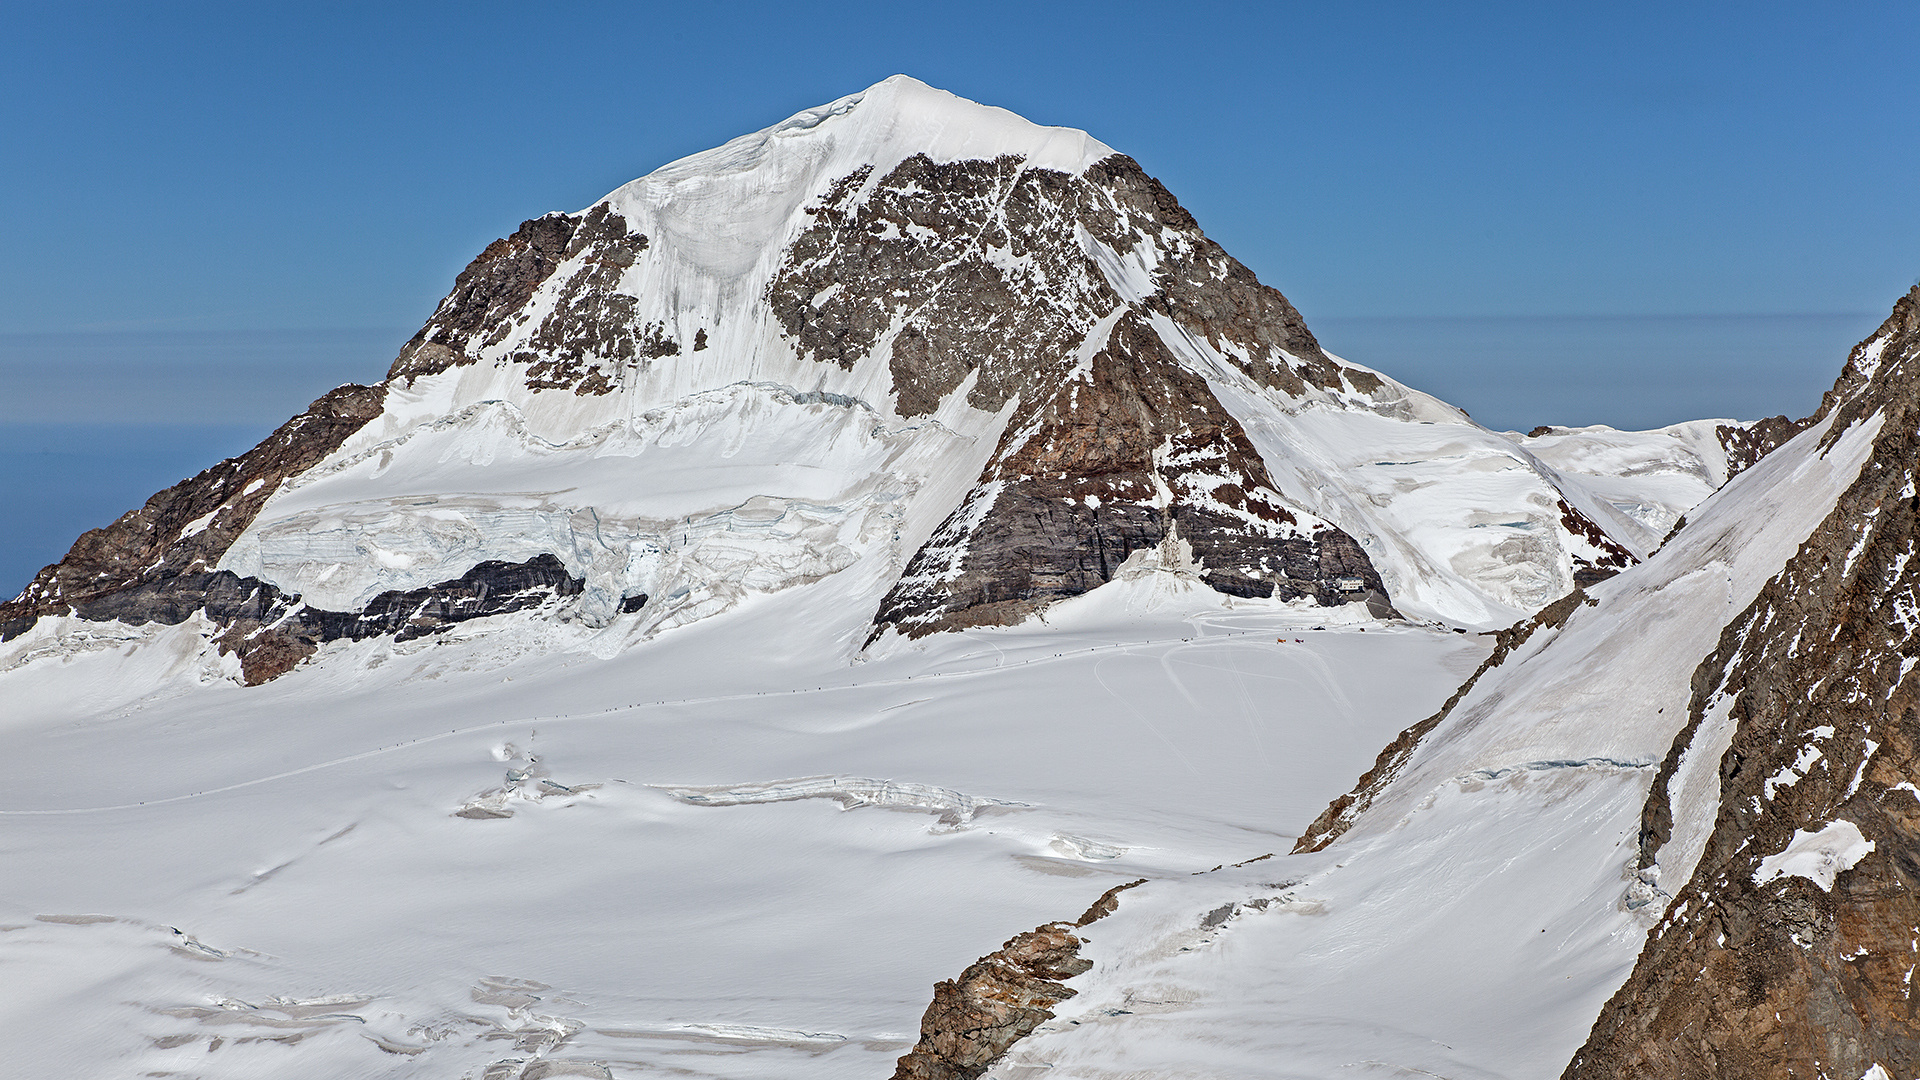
x,y
1544,212
215,167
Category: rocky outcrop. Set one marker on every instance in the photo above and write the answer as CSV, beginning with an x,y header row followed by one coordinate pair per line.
x,y
1748,443
272,632
969,267
592,331
1001,998
1608,556
1128,454
1789,952
486,296
1207,291
156,560
588,331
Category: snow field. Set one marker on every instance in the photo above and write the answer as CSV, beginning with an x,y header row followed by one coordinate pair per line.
x,y
306,831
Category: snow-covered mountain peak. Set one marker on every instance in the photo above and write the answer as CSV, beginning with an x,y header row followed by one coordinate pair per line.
x,y
1049,366
881,126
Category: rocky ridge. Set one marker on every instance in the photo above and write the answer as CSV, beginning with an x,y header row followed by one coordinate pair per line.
x,y
156,563
1801,913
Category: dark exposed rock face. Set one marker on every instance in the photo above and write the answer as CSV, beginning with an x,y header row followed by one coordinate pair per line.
x,y
1133,452
153,560
591,332
272,632
1796,979
1611,557
1345,810
485,297
1748,443
975,264
1000,999
990,271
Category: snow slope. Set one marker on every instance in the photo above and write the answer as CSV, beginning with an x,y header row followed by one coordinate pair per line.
x,y
1474,920
1653,477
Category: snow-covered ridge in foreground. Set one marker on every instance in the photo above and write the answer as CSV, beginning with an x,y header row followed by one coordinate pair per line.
x,y
1513,862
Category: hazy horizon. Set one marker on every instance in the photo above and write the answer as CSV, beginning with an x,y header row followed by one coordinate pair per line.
x,y
91,424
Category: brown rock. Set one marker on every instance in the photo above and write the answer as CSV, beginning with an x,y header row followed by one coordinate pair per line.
x,y
1000,999
123,570
486,295
1121,458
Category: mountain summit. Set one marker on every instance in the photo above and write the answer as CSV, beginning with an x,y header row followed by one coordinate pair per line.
x,y
982,364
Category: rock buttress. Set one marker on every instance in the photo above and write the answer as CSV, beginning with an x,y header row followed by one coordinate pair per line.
x,y
272,632
1130,452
